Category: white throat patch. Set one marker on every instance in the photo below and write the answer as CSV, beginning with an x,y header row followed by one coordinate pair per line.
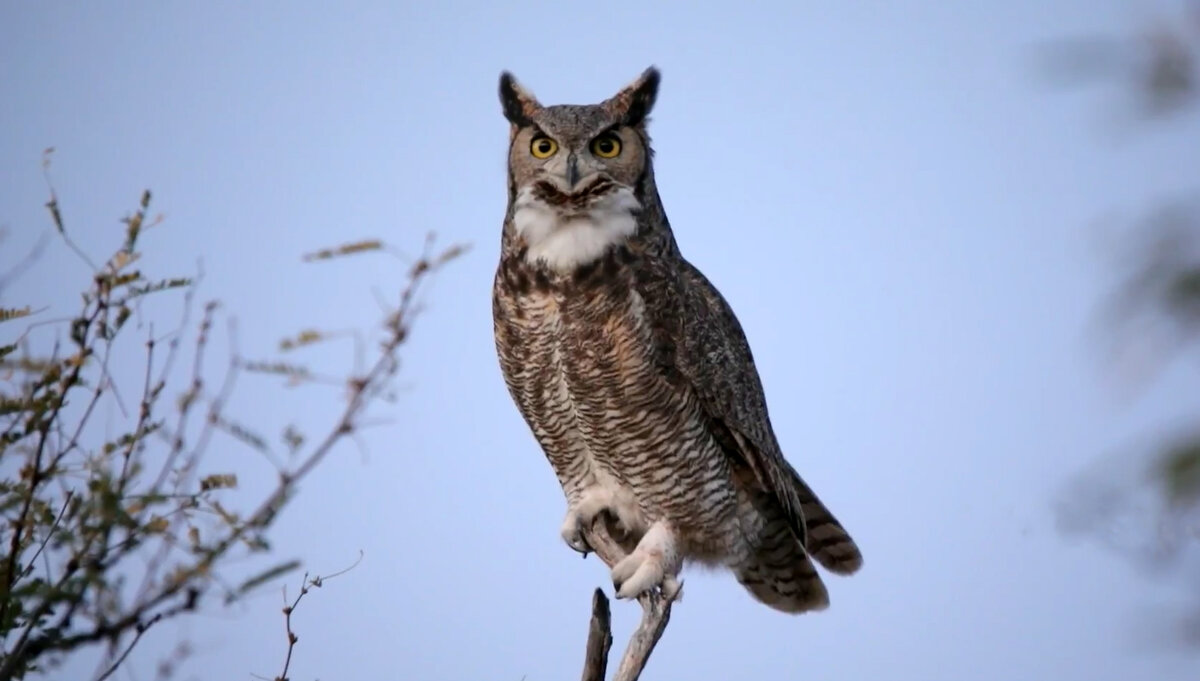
x,y
564,243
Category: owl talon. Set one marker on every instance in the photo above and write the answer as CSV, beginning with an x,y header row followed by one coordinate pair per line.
x,y
572,534
637,574
581,513
654,563
670,590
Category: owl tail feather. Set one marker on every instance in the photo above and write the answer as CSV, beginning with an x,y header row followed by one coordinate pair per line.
x,y
827,541
779,574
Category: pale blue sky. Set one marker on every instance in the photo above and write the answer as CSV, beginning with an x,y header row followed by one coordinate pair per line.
x,y
902,217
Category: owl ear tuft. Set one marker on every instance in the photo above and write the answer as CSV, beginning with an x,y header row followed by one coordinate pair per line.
x,y
519,104
634,102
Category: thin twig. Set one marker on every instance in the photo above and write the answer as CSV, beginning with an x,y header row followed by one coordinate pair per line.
x,y
49,533
140,630
16,271
288,609
56,215
287,623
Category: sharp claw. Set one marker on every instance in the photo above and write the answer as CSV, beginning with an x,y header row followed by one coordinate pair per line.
x,y
582,546
576,539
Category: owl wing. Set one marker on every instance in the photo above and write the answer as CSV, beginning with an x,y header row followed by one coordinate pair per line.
x,y
706,348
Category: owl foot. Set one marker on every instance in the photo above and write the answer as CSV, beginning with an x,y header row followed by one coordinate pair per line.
x,y
654,563
580,515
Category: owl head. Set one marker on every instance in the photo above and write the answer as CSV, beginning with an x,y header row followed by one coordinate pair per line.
x,y
579,176
578,148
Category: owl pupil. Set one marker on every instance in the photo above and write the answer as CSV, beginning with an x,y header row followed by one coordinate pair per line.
x,y
605,146
544,147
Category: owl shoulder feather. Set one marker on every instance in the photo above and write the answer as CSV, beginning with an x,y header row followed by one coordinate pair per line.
x,y
702,347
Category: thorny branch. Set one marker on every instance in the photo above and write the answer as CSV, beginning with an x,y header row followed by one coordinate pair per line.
x,y
656,613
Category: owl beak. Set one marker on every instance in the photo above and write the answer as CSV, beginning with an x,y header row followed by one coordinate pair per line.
x,y
572,171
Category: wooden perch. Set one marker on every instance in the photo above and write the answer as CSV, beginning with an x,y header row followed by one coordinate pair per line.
x,y
599,639
656,612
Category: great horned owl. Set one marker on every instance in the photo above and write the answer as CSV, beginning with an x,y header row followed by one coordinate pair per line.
x,y
632,371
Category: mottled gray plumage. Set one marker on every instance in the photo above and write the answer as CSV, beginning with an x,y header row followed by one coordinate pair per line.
x,y
633,372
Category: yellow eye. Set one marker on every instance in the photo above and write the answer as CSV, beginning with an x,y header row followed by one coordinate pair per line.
x,y
543,147
606,146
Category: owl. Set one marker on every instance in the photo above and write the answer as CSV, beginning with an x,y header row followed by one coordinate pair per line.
x,y
633,373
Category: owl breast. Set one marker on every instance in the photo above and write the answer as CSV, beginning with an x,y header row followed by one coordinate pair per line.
x,y
578,353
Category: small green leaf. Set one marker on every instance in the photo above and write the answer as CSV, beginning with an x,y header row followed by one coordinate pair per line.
x,y
282,368
135,291
306,337
10,313
267,575
218,481
345,249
